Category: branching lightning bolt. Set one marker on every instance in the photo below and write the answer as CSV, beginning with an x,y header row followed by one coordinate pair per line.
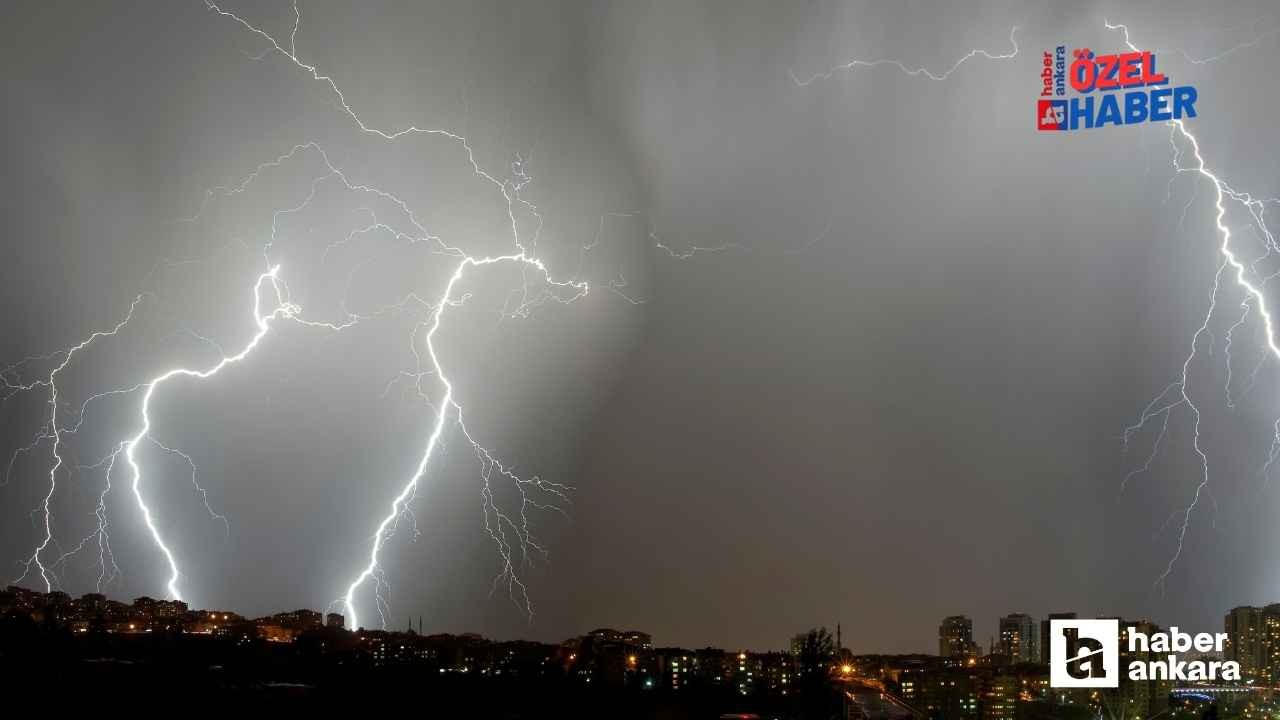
x,y
1184,143
446,405
282,309
497,522
1187,160
54,431
510,530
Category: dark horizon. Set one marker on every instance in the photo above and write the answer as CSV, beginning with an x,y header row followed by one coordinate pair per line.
x,y
423,629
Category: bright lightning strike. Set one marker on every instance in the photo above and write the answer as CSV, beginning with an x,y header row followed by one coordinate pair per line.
x,y
1185,144
128,448
447,404
497,522
282,309
510,529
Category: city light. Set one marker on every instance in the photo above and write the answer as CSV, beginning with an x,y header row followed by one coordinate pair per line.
x,y
999,687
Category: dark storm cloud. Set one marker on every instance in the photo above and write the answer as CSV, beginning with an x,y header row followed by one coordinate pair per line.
x,y
901,401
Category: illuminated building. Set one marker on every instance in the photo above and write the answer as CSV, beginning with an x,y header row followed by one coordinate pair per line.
x,y
1271,642
676,668
213,622
1246,630
742,676
1000,695
776,671
951,694
20,599
334,620
637,639
755,672
169,609
1253,640
612,658
606,635
955,637
302,619
1019,638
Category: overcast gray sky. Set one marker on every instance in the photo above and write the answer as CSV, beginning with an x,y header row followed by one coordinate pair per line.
x,y
897,394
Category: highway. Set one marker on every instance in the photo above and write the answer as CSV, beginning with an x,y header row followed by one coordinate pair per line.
x,y
871,703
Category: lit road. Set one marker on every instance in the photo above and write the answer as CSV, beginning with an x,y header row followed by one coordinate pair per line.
x,y
873,703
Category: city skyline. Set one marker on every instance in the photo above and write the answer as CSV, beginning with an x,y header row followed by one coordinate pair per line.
x,y
949,637
313,653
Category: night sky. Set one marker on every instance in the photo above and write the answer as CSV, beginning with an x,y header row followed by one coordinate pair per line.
x,y
858,351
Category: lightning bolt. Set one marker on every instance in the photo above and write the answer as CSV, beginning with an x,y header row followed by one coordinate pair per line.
x,y
282,309
1187,160
910,71
1185,144
54,431
448,404
128,448
1257,39
497,522
509,529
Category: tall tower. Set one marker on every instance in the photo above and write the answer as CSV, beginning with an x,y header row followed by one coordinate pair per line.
x,y
1020,638
955,636
1247,641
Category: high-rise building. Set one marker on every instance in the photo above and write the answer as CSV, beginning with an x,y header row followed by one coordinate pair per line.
x,y
955,636
1253,640
1246,640
1020,638
1044,633
1271,641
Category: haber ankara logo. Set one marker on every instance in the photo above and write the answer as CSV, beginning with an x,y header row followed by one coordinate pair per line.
x,y
1051,115
1084,653
1096,91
